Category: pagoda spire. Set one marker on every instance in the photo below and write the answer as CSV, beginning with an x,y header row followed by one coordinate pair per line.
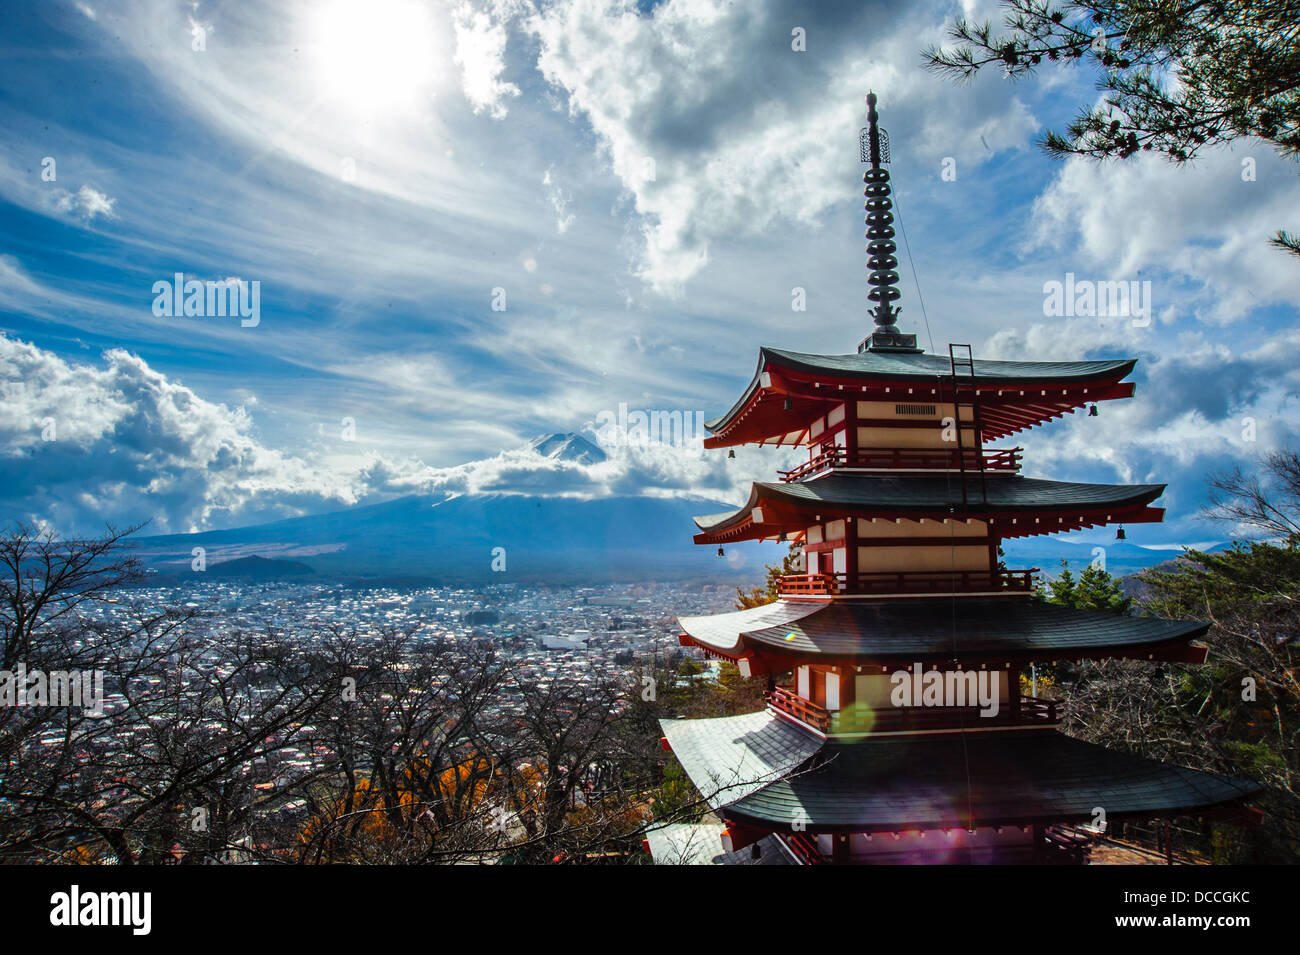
x,y
883,278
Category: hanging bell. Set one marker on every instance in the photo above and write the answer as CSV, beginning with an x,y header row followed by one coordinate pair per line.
x,y
721,552
1119,534
1092,411
789,403
731,452
784,537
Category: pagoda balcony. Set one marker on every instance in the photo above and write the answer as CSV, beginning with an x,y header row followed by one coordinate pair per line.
x,y
1004,460
892,583
1031,711
785,700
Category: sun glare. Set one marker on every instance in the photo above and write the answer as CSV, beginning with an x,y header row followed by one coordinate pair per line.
x,y
374,57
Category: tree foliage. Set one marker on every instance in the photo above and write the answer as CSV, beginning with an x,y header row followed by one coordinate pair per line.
x,y
1178,75
330,746
1239,712
1093,589
770,592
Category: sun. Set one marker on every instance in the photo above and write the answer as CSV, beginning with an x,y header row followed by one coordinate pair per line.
x,y
374,57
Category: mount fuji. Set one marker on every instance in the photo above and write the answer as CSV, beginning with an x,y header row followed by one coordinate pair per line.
x,y
456,536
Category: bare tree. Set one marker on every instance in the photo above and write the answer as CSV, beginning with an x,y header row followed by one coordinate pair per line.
x,y
44,578
1270,503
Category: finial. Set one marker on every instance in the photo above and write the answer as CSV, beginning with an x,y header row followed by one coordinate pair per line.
x,y
880,225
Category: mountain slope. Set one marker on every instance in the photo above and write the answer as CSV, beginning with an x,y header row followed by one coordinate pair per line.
x,y
561,540
567,447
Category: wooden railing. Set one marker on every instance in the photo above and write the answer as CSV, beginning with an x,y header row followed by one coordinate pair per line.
x,y
805,848
806,585
889,459
787,701
1032,711
909,582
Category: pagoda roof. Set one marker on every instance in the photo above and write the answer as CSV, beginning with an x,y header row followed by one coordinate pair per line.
x,y
926,496
971,629
701,844
902,366
734,756
685,843
1035,379
978,778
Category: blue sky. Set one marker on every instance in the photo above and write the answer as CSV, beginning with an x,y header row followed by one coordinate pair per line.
x,y
646,183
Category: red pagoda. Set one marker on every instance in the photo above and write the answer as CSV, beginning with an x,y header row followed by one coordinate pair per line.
x,y
903,734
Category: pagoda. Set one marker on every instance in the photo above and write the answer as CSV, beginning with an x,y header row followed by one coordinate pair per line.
x,y
902,734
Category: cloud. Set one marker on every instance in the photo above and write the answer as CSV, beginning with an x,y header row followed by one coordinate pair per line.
x,y
86,203
718,127
1206,224
1175,429
559,202
480,53
83,444
122,442
665,175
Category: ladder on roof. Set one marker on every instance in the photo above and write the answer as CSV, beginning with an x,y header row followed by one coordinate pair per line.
x,y
961,367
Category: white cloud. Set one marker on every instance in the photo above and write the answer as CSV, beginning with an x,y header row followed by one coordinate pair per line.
x,y
1203,224
1176,428
87,202
559,202
480,53
717,128
120,441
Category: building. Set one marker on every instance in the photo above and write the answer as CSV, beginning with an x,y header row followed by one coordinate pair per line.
x,y
903,734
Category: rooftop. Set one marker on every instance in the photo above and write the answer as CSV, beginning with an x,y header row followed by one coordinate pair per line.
x,y
974,629
928,780
885,495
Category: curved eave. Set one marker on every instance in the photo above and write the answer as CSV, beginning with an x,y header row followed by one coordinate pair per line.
x,y
925,367
722,633
731,757
812,382
774,509
980,779
973,630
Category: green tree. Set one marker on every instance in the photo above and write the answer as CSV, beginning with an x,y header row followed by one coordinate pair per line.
x,y
1239,712
1093,589
770,591
1178,75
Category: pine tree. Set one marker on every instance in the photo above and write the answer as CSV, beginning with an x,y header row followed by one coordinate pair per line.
x,y
1094,589
771,589
1177,75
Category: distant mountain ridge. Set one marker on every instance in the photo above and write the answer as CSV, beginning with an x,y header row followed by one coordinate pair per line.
x,y
1121,557
509,534
501,535
480,538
